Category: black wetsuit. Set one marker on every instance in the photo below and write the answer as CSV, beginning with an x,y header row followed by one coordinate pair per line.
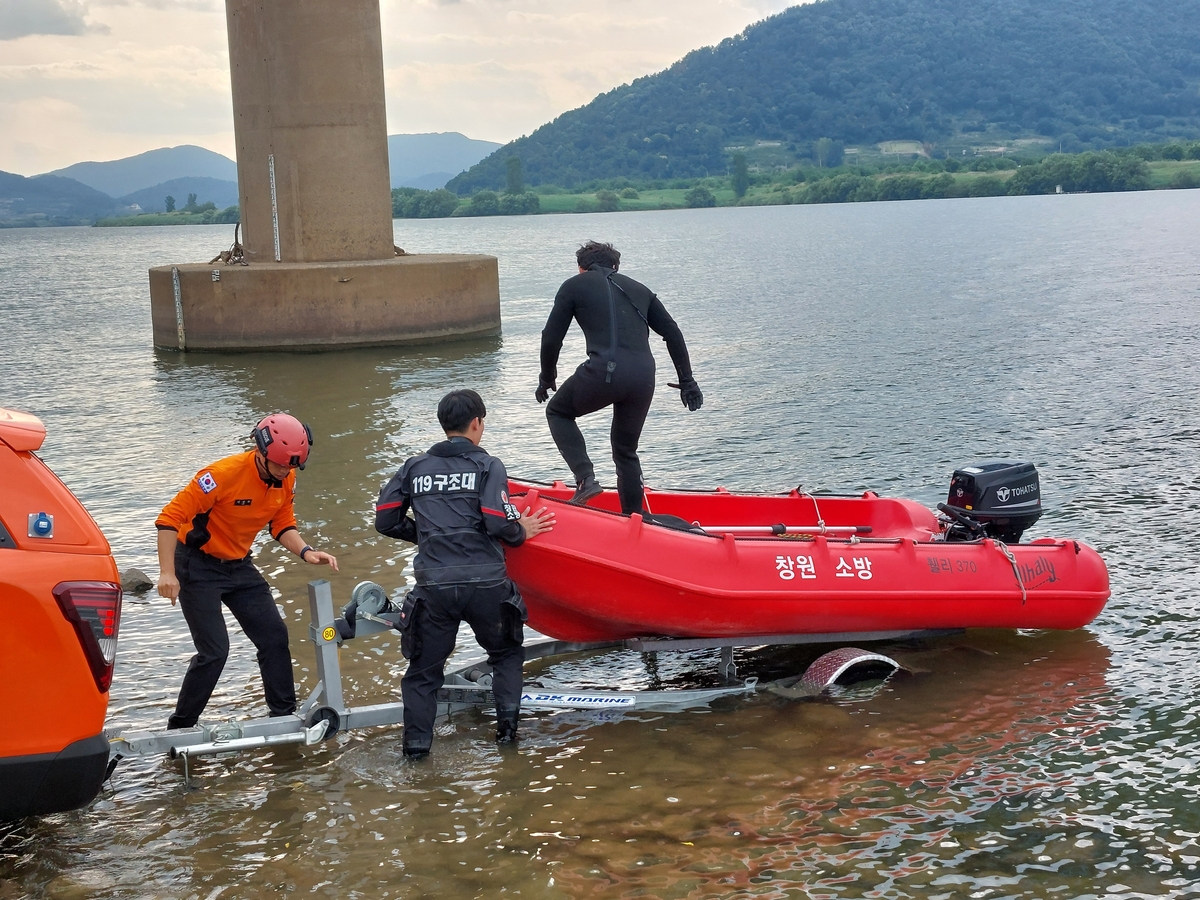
x,y
459,495
616,314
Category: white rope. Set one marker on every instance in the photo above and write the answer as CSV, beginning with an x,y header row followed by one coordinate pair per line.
x,y
1003,548
816,508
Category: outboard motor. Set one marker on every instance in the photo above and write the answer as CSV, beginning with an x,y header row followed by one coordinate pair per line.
x,y
996,499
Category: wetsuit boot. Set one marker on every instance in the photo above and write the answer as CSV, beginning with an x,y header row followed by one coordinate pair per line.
x,y
586,490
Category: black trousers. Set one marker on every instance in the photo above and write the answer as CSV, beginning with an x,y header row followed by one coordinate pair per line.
x,y
205,583
496,623
629,391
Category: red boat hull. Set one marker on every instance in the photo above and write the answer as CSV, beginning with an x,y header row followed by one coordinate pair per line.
x,y
601,576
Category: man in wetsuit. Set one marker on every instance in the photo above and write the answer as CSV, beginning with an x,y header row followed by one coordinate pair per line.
x,y
616,314
204,540
459,496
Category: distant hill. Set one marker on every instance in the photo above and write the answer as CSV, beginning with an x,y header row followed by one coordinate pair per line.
x,y
428,161
121,177
84,192
49,199
942,73
207,190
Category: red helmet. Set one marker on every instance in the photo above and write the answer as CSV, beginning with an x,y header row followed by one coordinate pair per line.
x,y
283,439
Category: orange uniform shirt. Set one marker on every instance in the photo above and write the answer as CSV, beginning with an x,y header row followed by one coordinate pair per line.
x,y
226,505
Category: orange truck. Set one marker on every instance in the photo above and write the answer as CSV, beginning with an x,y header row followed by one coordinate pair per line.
x,y
60,596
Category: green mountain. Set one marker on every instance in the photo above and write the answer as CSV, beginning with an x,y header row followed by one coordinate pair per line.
x,y
50,200
946,74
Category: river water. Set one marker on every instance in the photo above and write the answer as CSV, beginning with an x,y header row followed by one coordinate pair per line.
x,y
843,347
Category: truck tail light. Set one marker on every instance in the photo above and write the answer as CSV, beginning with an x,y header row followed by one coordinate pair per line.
x,y
94,609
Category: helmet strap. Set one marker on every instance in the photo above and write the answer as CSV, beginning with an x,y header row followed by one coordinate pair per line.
x,y
260,460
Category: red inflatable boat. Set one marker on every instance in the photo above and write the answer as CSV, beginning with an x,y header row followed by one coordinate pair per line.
x,y
791,564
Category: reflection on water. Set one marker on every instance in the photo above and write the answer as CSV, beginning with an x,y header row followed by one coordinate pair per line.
x,y
871,346
756,796
856,780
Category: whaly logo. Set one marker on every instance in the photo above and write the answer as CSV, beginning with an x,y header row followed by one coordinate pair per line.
x,y
1037,573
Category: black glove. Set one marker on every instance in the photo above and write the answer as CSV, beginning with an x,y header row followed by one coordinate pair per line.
x,y
543,389
689,393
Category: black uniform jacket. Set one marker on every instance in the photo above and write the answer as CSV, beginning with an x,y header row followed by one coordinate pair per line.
x,y
616,314
459,495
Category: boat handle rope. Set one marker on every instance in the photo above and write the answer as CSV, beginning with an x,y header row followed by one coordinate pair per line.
x,y
816,507
1003,548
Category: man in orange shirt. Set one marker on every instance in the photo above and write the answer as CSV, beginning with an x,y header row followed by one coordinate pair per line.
x,y
204,540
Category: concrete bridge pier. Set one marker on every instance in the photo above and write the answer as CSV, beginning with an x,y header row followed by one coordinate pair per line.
x,y
315,199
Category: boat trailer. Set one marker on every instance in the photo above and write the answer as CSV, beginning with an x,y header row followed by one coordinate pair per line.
x,y
325,713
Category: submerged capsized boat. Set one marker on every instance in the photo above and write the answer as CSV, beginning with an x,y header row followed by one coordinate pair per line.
x,y
721,564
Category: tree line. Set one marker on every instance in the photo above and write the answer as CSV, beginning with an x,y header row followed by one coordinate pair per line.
x,y
984,176
414,203
207,212
1091,172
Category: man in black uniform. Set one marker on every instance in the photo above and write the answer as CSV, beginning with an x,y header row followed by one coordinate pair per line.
x,y
616,314
459,496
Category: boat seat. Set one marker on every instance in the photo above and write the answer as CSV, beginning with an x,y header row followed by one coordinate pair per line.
x,y
674,522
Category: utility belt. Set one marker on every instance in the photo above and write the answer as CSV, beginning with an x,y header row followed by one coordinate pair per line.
x,y
198,553
512,610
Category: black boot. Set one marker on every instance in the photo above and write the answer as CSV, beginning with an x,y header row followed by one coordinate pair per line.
x,y
415,753
506,726
586,490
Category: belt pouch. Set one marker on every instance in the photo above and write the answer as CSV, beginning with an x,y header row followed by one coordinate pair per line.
x,y
514,615
410,637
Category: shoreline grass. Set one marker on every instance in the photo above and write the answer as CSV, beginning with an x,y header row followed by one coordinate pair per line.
x,y
209,217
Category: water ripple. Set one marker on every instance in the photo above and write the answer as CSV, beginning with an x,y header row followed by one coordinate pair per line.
x,y
845,348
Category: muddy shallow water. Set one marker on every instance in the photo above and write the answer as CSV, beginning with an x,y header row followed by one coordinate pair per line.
x,y
863,346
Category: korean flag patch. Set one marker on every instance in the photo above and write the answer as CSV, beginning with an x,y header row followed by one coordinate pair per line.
x,y
207,483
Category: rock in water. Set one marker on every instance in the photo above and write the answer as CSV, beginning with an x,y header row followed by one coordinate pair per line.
x,y
135,581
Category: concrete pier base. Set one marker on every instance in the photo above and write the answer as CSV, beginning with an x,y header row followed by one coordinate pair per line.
x,y
315,202
323,305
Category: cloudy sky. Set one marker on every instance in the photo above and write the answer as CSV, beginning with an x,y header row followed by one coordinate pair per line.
x,y
101,79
